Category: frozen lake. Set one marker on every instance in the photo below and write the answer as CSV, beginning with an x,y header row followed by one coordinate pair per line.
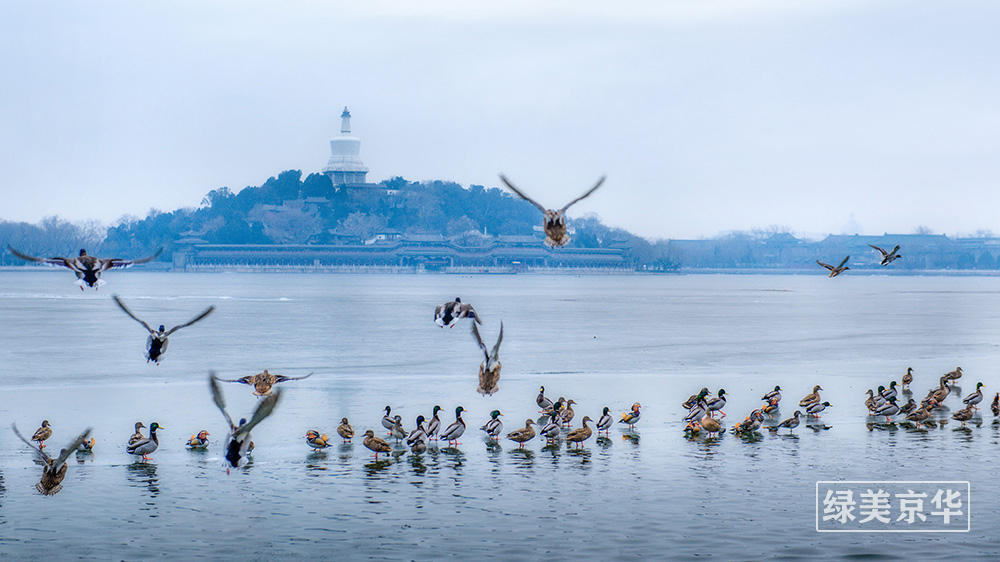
x,y
75,359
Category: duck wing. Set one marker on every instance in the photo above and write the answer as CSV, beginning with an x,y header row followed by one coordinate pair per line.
x,y
38,451
64,262
479,340
522,195
186,324
217,397
494,355
584,196
69,450
283,378
826,265
843,262
118,263
264,409
883,252
125,309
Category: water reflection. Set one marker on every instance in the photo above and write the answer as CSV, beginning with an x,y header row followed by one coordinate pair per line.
x,y
604,443
143,475
374,467
631,437
316,463
523,458
417,464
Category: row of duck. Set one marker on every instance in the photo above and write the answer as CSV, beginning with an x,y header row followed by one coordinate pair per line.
x,y
881,403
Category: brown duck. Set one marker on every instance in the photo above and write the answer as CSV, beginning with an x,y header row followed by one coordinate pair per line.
x,y
262,382
554,222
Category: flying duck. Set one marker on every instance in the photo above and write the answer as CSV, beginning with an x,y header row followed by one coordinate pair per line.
x,y
887,257
345,431
448,314
489,370
262,382
88,269
55,468
156,343
240,442
494,426
554,222
147,445
456,429
835,271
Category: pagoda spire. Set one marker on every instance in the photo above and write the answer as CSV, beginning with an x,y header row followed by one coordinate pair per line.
x,y
345,122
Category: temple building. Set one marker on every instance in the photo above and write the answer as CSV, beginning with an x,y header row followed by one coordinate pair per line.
x,y
345,165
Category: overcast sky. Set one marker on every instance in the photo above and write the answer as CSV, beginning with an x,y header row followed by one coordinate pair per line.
x,y
706,115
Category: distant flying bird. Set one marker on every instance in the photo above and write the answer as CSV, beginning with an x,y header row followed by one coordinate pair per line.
x,y
239,443
262,382
88,269
156,343
835,271
554,222
447,314
55,468
887,257
489,370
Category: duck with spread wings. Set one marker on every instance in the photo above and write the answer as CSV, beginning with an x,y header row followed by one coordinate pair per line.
x,y
55,468
88,269
449,313
239,442
262,382
156,343
489,370
554,222
835,271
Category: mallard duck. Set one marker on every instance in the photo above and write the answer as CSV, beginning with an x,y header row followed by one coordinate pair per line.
x,y
716,404
199,441
887,257
631,418
558,405
42,433
156,343
147,445
996,405
814,409
397,432
55,468
88,269
433,426
87,446
835,271
567,415
791,423
908,377
447,314
489,370
605,421
699,407
240,441
345,431
262,382
554,222
889,409
524,434
954,375
811,398
316,441
774,394
909,407
890,392
920,416
418,435
551,429
388,421
456,429
963,415
376,444
543,402
580,434
976,397
137,436
695,398
494,426
710,424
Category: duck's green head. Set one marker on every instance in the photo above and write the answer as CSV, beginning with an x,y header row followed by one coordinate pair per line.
x,y
154,426
979,385
437,409
722,392
827,404
892,384
542,390
458,411
495,413
606,410
880,389
420,420
703,393
777,388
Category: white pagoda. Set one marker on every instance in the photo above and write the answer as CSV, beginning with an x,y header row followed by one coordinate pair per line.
x,y
345,165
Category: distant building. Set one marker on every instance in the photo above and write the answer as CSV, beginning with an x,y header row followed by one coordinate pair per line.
x,y
345,166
